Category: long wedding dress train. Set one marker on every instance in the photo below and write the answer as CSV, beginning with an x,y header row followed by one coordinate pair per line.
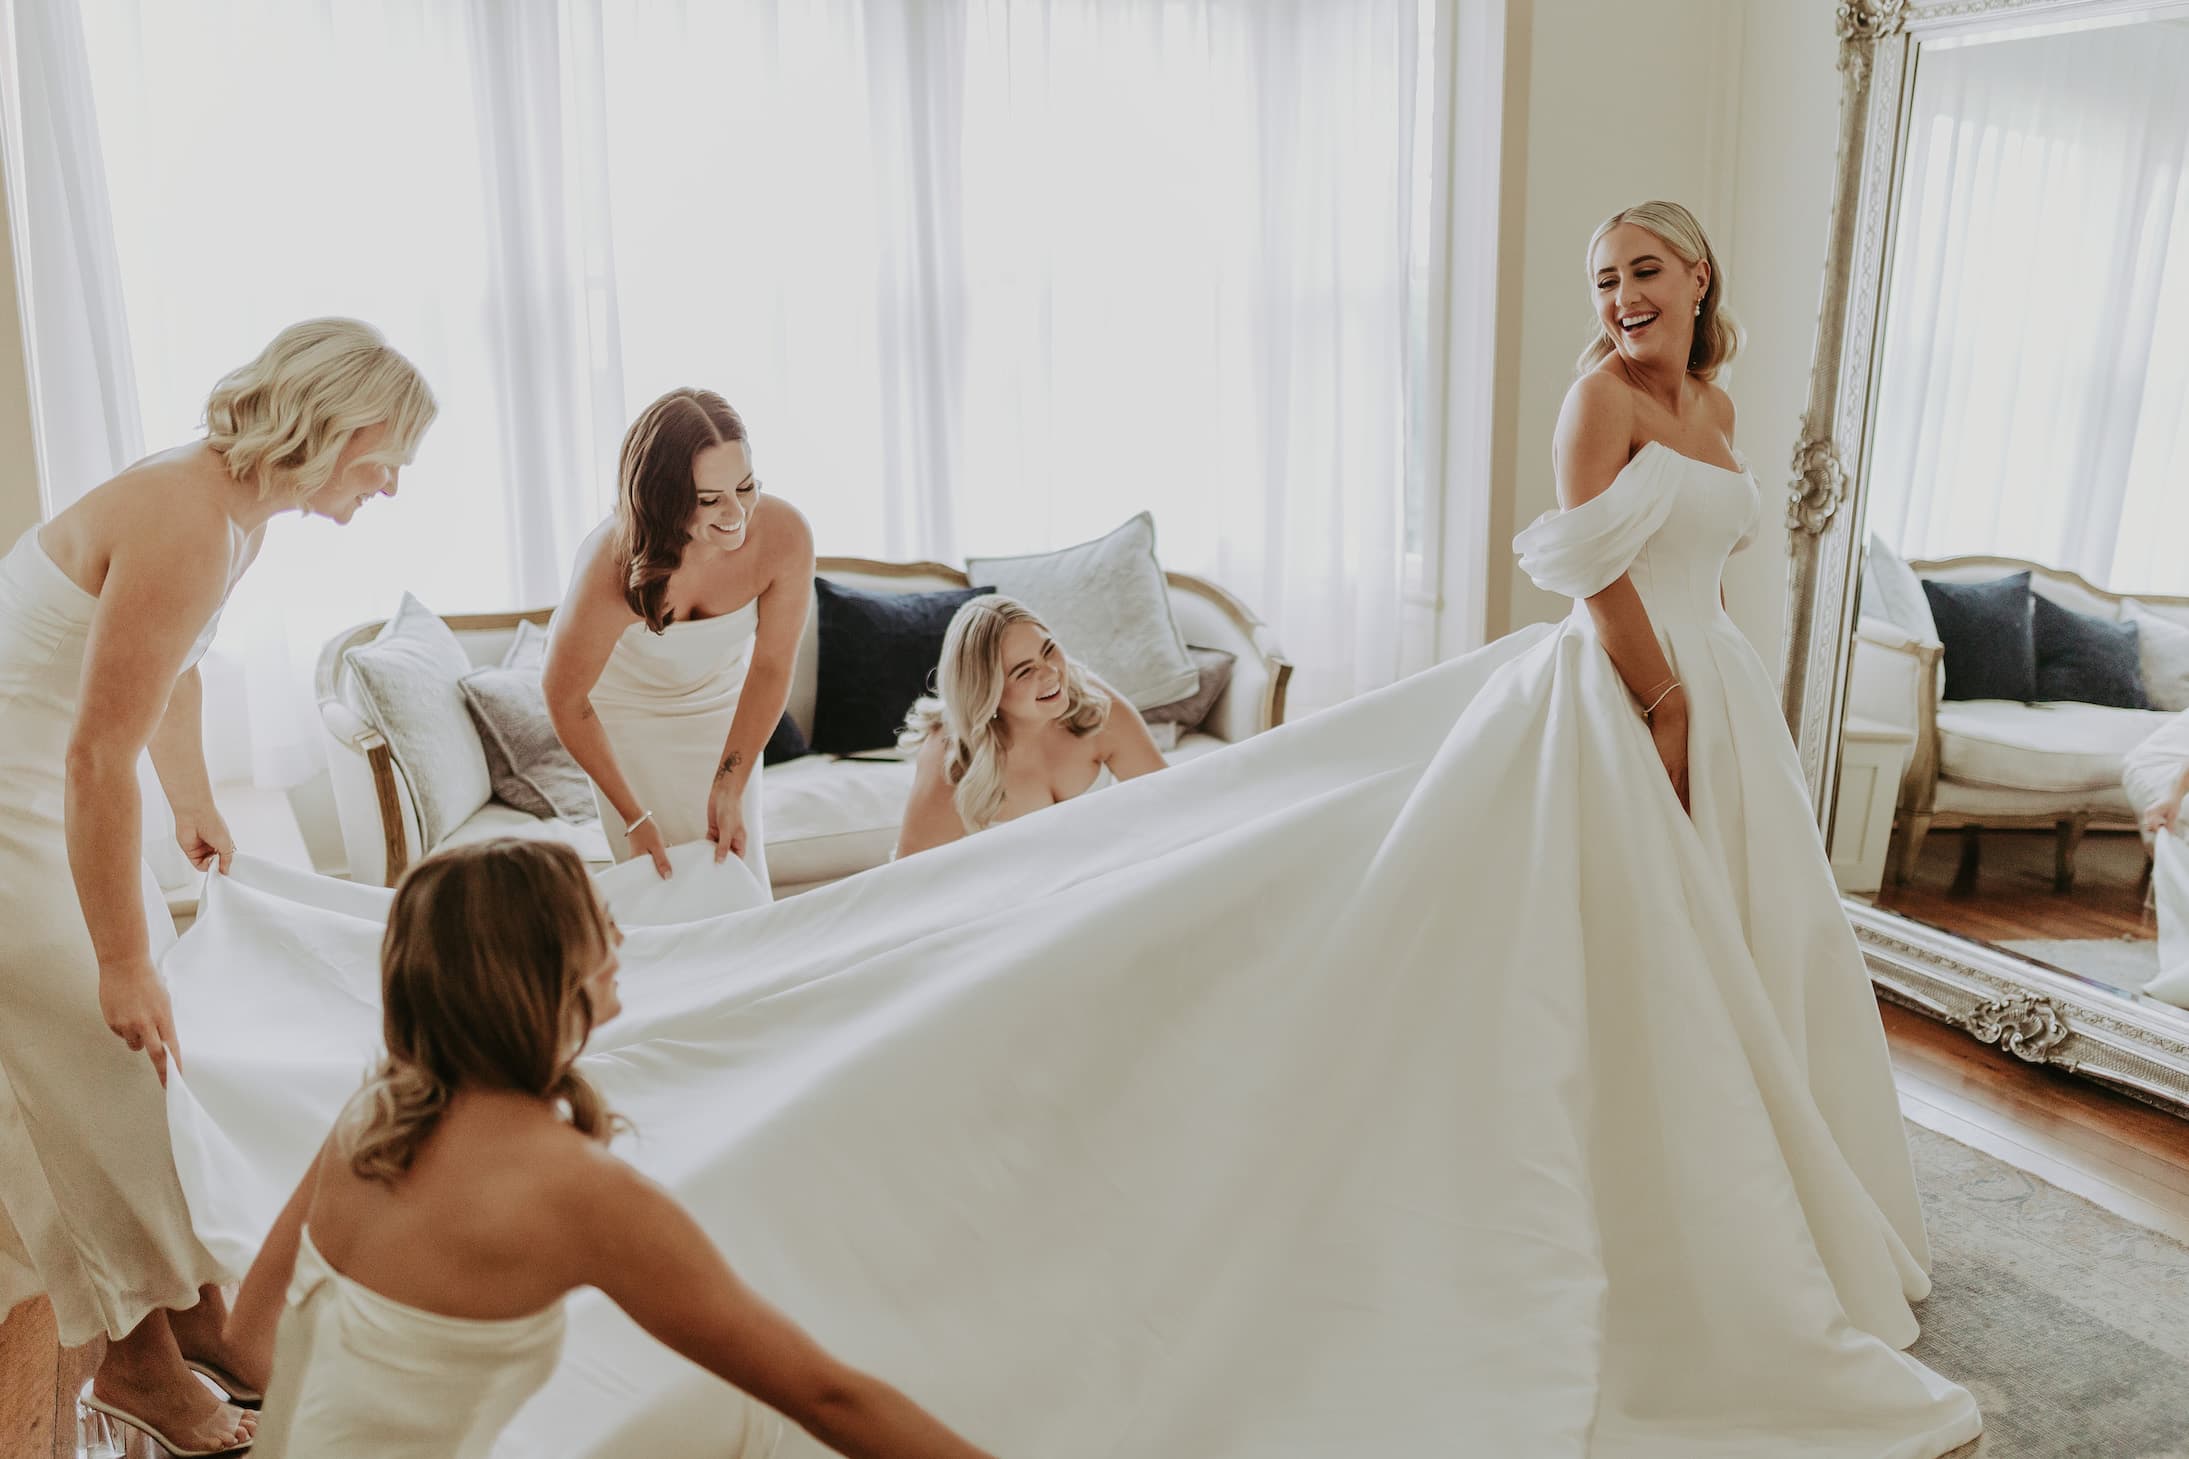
x,y
1412,1079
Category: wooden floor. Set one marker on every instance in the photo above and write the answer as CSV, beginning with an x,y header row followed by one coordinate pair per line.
x,y
2105,1147
2011,897
2127,1157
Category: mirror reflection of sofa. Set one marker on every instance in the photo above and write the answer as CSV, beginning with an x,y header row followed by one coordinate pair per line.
x,y
2107,671
826,816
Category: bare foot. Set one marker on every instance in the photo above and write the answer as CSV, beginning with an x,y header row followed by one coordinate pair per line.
x,y
175,1403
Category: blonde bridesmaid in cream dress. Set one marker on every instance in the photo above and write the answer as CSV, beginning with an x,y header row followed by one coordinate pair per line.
x,y
104,612
669,662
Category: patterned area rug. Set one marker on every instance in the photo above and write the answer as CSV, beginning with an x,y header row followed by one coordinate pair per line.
x,y
2126,963
2068,1323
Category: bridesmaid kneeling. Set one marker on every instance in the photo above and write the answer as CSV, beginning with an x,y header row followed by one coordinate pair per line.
x,y
468,1187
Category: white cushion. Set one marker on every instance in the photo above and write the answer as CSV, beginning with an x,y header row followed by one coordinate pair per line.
x,y
495,819
1892,591
2162,651
527,647
829,818
407,682
2061,747
1109,605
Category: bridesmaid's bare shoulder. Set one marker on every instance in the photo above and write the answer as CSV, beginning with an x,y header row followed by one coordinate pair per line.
x,y
173,505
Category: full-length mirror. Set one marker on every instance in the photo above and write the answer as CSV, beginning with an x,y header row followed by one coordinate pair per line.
x,y
2009,402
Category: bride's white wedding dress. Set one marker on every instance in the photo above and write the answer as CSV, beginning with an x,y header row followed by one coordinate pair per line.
x,y
1413,1079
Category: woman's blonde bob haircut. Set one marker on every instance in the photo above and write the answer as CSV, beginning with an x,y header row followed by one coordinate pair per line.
x,y
966,712
283,419
482,986
1717,333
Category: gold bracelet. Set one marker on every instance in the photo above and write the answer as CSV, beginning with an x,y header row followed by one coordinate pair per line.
x,y
1661,698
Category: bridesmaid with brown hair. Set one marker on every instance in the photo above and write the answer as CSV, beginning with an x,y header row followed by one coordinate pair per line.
x,y
669,662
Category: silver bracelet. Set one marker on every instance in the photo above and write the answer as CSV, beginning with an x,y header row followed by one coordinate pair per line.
x,y
642,820
1646,713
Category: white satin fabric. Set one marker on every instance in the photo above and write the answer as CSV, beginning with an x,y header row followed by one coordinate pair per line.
x,y
666,701
1413,1079
90,1212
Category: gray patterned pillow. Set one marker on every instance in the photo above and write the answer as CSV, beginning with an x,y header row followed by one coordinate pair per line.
x,y
1214,666
406,686
530,768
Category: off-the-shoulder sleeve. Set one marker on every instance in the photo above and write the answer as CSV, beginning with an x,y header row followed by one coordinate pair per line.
x,y
1755,509
1580,552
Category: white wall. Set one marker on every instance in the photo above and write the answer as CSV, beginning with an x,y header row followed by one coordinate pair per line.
x,y
1729,106
1782,204
20,502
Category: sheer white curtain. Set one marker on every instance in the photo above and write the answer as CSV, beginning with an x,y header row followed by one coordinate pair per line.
x,y
992,277
2035,377
987,275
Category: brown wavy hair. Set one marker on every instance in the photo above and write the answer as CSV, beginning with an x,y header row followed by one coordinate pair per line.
x,y
656,497
482,976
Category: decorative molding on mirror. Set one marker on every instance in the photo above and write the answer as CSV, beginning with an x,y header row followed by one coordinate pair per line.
x,y
2031,1011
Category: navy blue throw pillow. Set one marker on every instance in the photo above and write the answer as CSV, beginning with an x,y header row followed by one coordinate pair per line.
x,y
878,651
1989,637
2087,659
787,743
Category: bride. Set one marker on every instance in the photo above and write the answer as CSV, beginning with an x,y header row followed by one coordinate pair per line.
x,y
1484,1065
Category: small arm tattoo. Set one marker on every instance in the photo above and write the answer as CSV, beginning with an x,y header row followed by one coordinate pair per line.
x,y
730,762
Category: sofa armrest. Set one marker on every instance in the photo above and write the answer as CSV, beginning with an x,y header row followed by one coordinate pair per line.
x,y
1894,680
1254,700
380,829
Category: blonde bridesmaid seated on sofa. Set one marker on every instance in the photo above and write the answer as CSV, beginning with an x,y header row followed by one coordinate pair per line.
x,y
1019,726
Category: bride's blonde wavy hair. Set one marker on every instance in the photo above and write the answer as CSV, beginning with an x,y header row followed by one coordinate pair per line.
x,y
283,419
482,978
965,712
1717,332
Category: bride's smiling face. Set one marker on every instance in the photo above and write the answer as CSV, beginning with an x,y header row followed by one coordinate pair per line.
x,y
723,481
1033,674
1646,296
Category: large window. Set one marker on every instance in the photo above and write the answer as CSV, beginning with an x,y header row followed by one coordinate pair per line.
x,y
983,276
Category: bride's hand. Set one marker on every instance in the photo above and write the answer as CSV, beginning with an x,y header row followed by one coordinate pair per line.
x,y
203,837
134,1004
1668,731
2163,816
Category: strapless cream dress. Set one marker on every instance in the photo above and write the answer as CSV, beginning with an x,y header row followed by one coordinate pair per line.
x,y
666,700
91,1213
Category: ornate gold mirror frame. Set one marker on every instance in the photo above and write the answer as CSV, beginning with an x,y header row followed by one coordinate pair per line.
x,y
2039,1015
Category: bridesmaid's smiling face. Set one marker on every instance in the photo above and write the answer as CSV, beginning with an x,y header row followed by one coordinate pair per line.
x,y
1646,296
1033,674
355,480
723,483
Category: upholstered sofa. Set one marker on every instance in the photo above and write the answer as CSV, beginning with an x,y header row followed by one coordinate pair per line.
x,y
1995,763
826,817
